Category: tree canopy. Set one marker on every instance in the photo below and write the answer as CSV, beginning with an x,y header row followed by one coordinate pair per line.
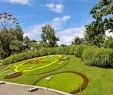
x,y
10,41
102,13
48,36
77,41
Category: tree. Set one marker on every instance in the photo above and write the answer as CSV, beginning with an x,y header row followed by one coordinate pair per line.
x,y
10,41
63,45
95,33
48,36
77,41
5,38
15,46
102,10
17,41
26,43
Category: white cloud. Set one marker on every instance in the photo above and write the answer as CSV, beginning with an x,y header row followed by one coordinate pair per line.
x,y
35,32
23,2
109,33
67,35
59,21
58,8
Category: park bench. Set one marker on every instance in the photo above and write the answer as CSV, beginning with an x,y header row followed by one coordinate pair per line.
x,y
32,89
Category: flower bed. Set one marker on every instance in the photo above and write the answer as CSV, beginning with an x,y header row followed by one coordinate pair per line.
x,y
14,75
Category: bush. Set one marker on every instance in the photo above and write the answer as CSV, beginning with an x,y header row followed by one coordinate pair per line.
x,y
99,57
63,50
73,50
78,50
21,56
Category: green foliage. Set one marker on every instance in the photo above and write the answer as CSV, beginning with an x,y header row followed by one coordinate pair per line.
x,y
79,50
10,41
26,43
72,50
95,33
15,45
75,50
48,36
77,41
102,10
99,57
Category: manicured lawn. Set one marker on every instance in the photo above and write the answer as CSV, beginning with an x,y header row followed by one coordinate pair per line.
x,y
100,79
62,81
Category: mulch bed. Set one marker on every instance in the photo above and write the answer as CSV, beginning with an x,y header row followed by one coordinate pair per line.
x,y
83,85
79,89
14,75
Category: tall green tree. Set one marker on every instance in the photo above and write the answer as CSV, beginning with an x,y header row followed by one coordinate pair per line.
x,y
102,12
95,33
77,41
11,41
16,44
48,36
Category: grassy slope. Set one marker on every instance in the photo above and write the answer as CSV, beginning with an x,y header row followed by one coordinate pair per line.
x,y
63,81
100,80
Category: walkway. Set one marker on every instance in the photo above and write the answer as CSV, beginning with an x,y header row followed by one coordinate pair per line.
x,y
14,89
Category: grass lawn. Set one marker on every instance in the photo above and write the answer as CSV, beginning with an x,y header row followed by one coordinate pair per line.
x,y
100,79
62,81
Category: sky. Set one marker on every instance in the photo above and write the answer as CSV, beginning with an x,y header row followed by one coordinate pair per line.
x,y
68,17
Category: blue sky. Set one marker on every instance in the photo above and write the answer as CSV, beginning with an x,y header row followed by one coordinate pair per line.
x,y
68,17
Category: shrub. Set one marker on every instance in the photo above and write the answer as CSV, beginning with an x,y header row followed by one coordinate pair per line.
x,y
63,50
99,57
21,56
73,50
78,50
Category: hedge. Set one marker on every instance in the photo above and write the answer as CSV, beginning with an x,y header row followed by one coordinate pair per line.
x,y
73,50
99,57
